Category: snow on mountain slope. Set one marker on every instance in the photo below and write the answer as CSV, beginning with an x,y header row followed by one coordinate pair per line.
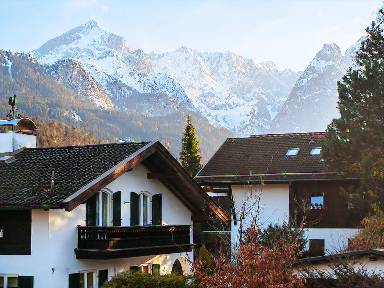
x,y
312,103
72,75
227,89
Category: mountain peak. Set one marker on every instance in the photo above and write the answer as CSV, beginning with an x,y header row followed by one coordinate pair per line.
x,y
90,24
329,51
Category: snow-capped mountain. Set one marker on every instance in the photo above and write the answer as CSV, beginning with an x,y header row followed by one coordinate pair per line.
x,y
229,90
312,103
64,92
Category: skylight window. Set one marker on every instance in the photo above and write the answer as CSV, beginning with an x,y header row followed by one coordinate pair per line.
x,y
315,151
292,152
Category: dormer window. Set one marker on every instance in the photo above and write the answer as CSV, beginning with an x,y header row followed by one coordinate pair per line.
x,y
315,151
292,152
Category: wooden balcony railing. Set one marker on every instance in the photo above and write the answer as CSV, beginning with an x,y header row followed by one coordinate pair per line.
x,y
120,242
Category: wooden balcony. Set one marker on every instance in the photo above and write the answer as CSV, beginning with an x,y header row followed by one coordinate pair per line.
x,y
124,242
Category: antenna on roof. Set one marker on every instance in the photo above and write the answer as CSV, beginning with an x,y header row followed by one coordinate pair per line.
x,y
53,181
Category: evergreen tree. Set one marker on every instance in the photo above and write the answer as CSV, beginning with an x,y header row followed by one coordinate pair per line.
x,y
190,152
355,143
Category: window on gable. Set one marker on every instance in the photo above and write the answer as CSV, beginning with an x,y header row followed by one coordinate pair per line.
x,y
99,209
317,201
146,209
315,151
291,152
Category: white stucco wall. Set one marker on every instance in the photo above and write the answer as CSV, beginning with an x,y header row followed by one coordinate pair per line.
x,y
270,204
6,142
54,237
335,239
11,141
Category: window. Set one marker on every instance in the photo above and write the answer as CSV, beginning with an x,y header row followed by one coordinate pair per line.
x,y
88,279
9,281
292,152
103,209
145,209
144,269
317,201
316,247
315,151
353,199
155,269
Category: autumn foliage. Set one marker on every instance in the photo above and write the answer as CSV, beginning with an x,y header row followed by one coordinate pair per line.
x,y
371,236
254,265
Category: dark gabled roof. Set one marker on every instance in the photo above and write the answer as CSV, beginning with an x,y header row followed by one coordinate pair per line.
x,y
65,177
264,156
349,255
26,178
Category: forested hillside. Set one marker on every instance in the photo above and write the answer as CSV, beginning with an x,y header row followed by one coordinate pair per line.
x,y
54,134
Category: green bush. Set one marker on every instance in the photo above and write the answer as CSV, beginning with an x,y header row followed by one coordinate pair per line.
x,y
141,280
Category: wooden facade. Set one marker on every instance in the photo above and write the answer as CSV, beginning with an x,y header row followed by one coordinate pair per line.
x,y
338,210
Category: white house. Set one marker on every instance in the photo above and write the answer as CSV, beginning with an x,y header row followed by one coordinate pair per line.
x,y
77,216
280,177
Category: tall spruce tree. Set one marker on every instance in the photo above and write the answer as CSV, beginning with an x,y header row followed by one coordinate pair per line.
x,y
355,143
190,152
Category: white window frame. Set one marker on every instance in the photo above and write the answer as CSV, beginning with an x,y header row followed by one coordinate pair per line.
x,y
315,149
95,278
99,207
6,276
149,208
292,151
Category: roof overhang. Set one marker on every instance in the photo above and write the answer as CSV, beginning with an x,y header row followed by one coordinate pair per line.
x,y
373,254
271,178
158,160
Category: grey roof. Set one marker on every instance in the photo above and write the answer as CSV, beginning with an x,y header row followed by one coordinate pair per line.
x,y
26,178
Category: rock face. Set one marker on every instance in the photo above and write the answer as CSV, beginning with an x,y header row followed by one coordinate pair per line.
x,y
227,89
312,103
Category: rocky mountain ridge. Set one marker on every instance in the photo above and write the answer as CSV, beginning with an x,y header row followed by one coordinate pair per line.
x,y
229,90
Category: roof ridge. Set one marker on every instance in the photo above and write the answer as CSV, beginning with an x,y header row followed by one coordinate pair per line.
x,y
88,145
281,135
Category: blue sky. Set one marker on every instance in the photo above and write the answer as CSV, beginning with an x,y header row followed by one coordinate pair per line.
x,y
288,32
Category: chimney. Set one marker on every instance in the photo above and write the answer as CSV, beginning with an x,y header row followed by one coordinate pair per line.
x,y
15,131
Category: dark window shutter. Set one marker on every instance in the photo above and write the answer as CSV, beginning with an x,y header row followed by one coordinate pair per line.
x,y
316,247
135,199
157,209
74,280
91,210
117,208
103,277
25,281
